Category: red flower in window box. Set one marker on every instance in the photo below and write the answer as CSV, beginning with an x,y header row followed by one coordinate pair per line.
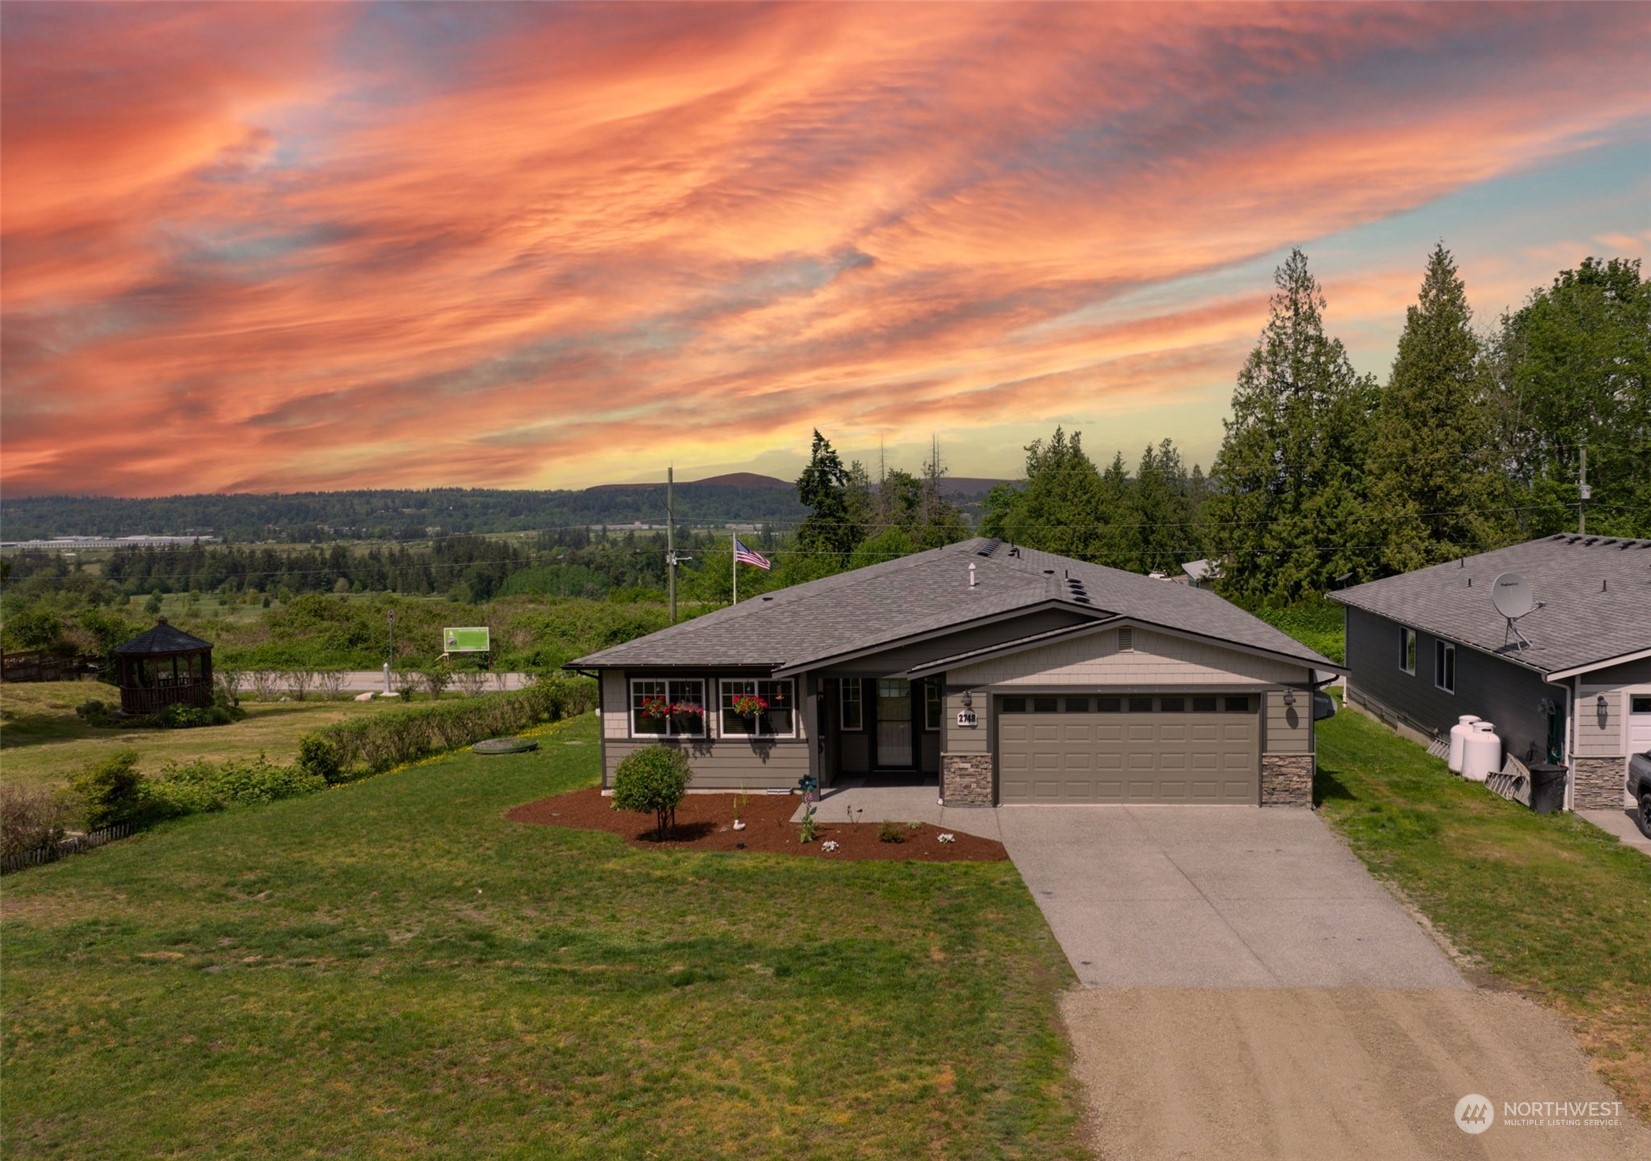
x,y
748,705
655,707
686,709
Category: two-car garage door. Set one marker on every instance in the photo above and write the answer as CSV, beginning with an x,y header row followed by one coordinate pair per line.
x,y
1129,749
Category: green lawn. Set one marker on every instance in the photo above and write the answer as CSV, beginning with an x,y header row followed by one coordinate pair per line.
x,y
42,741
1549,905
392,969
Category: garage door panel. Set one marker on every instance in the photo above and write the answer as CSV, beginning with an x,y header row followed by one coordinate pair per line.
x,y
1123,757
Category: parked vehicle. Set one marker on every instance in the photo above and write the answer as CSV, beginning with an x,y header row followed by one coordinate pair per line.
x,y
1324,706
1639,785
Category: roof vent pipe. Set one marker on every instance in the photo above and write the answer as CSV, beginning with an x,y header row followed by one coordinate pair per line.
x,y
974,580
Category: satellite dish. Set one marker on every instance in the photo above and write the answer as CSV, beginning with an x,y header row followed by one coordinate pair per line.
x,y
1512,596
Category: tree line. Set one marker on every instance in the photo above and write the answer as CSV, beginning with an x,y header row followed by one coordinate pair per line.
x,y
1327,478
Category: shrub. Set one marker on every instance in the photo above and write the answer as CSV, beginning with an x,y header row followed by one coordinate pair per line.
x,y
436,680
203,785
373,744
891,832
318,757
30,817
110,790
329,683
95,712
653,778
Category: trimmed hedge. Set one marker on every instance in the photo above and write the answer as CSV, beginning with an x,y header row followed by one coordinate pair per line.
x,y
372,745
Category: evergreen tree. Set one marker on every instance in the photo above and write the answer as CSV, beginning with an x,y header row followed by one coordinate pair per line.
x,y
1162,512
827,531
1285,496
1059,507
1433,480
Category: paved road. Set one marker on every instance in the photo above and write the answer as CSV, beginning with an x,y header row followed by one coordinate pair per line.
x,y
1252,994
362,680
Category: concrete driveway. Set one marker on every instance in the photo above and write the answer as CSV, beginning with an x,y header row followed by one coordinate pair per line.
x,y
1251,993
1214,897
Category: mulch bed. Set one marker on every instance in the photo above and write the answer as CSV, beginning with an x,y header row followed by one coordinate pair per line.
x,y
704,822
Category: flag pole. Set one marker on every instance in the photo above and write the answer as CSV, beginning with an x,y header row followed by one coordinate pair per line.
x,y
734,562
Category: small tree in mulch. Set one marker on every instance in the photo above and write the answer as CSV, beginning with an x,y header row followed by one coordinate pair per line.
x,y
653,778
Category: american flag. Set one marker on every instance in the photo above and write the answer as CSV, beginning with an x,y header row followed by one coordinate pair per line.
x,y
743,555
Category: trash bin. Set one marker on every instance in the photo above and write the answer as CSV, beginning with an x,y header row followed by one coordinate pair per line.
x,y
1547,788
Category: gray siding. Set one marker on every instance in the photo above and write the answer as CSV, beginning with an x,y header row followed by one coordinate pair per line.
x,y
1157,660
1602,733
1502,693
964,740
1288,729
725,763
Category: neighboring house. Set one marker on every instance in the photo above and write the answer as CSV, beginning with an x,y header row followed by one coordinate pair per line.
x,y
1197,573
1428,646
1008,674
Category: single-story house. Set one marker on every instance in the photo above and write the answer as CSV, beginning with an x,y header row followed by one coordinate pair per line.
x,y
1569,682
1005,674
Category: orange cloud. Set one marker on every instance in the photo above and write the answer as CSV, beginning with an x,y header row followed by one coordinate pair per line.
x,y
291,246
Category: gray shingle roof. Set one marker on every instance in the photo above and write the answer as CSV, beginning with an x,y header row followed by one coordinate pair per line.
x,y
163,638
929,591
1595,593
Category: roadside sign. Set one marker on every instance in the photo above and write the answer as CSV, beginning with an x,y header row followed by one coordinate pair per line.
x,y
467,640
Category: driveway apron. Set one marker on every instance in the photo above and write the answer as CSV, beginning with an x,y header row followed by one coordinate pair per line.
x,y
1214,896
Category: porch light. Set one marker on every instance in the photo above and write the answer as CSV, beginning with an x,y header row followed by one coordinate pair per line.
x,y
1601,704
968,701
1289,697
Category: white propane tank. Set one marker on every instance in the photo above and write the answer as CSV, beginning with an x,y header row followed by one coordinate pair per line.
x,y
1481,753
1458,734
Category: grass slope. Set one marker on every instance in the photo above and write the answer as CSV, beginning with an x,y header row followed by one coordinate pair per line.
x,y
1550,905
391,969
42,741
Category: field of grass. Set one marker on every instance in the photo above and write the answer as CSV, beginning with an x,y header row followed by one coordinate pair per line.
x,y
42,741
1549,905
392,969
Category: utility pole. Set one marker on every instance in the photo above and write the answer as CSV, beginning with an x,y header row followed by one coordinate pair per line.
x,y
670,539
1583,493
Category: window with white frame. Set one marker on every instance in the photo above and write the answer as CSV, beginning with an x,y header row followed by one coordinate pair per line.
x,y
755,706
673,708
1444,666
1407,650
852,706
932,706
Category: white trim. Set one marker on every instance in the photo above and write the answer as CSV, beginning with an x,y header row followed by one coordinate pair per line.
x,y
1576,670
630,708
796,712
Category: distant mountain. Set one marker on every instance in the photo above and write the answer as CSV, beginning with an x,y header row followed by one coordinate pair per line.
x,y
731,480
413,514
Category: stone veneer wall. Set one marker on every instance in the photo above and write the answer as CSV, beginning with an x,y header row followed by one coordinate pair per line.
x,y
1286,780
1599,783
966,779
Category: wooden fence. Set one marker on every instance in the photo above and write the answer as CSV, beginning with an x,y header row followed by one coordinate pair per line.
x,y
74,845
42,665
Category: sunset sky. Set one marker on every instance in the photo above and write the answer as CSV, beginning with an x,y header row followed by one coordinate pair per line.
x,y
280,247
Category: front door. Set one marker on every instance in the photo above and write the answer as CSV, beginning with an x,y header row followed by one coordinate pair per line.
x,y
894,736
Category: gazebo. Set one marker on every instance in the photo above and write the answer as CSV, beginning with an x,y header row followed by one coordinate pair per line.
x,y
163,667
